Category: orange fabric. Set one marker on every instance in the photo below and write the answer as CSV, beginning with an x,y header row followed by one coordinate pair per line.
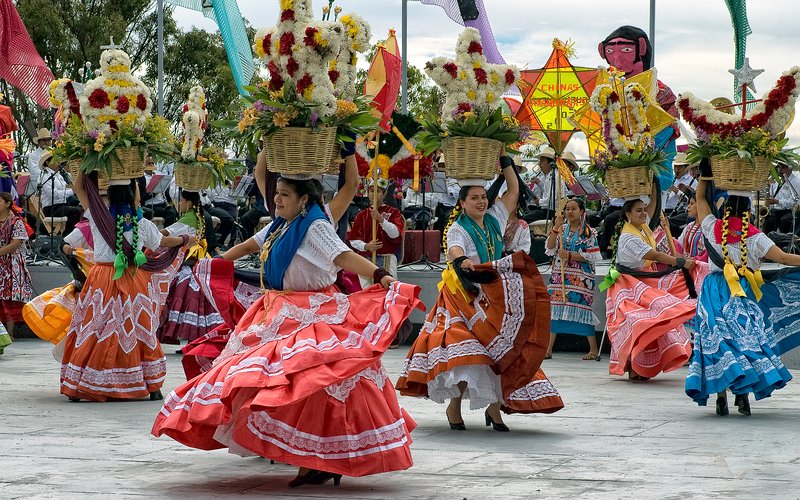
x,y
517,296
111,350
645,319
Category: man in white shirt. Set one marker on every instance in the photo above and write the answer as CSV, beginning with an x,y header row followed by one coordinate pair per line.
x,y
783,215
55,194
547,189
676,195
43,142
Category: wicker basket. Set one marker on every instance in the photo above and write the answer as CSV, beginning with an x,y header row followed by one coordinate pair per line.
x,y
130,165
738,174
471,157
72,168
336,161
103,182
628,182
193,178
300,150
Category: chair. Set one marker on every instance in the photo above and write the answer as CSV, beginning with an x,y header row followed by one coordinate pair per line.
x,y
47,246
539,227
262,222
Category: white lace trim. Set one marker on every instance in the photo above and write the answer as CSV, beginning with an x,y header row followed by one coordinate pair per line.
x,y
110,380
342,390
483,386
537,389
424,362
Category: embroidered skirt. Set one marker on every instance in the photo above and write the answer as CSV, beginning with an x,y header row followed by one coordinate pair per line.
x,y
111,350
187,315
735,346
495,342
645,320
300,381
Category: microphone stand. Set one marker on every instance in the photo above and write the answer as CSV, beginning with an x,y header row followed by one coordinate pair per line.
x,y
39,216
792,248
423,260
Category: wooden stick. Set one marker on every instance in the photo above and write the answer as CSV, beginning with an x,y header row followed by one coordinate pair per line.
x,y
375,193
670,239
563,245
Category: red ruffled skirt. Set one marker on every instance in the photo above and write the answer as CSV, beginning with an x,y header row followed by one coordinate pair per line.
x,y
300,381
187,315
645,320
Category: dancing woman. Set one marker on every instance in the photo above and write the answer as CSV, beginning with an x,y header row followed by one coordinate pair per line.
x,y
486,342
15,281
571,304
300,380
736,347
187,314
691,239
111,351
646,308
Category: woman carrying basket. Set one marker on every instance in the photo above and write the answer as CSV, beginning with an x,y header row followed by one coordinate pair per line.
x,y
484,342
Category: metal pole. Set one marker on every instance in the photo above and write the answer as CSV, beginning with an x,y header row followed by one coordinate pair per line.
x,y
404,58
160,7
653,30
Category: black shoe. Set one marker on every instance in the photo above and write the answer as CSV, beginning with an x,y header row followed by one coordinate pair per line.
x,y
74,400
722,406
323,477
156,396
743,403
457,427
500,427
304,479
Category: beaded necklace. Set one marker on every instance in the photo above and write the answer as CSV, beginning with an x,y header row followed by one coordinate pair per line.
x,y
267,246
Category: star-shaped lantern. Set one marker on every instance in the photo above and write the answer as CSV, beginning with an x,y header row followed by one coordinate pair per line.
x,y
554,92
746,75
590,122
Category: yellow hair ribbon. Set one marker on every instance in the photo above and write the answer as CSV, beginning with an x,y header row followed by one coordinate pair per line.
x,y
199,250
413,151
452,282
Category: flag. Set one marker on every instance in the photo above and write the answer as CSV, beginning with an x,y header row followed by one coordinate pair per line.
x,y
20,63
383,79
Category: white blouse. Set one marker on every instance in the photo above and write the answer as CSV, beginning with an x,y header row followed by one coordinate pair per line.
x,y
149,237
180,229
522,238
757,246
75,239
457,236
312,267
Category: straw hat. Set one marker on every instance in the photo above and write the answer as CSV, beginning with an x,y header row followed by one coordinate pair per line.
x,y
548,152
680,159
569,157
43,135
44,158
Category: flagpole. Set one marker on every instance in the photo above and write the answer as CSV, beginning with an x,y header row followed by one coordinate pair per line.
x,y
375,195
404,51
160,8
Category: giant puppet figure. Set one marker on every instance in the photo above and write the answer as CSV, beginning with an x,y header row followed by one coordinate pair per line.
x,y
628,49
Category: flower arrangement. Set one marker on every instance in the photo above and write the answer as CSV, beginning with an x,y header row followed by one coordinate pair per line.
x,y
757,133
195,122
626,133
473,101
311,68
64,97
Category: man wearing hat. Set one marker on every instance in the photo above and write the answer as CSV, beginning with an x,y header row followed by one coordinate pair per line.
x,y
389,233
677,194
55,194
43,142
546,190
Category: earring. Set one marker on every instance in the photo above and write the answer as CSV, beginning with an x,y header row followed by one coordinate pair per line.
x,y
303,211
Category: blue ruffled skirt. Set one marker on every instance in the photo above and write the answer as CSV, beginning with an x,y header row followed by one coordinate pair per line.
x,y
735,346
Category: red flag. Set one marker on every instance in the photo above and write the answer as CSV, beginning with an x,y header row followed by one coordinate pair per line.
x,y
383,79
20,63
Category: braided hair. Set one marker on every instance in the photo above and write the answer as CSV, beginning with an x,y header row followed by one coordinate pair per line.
x,y
122,207
194,198
736,206
627,208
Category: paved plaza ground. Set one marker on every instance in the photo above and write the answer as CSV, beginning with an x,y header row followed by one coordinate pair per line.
x,y
614,439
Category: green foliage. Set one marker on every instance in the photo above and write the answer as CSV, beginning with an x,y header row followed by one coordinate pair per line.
x,y
649,157
494,125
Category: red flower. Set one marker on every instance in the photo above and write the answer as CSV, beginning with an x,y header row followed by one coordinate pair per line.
x,y
464,107
613,97
475,47
287,15
480,76
333,75
510,76
266,43
123,104
185,108
620,129
451,69
303,83
292,66
141,102
98,99
275,78
113,125
636,94
310,39
285,46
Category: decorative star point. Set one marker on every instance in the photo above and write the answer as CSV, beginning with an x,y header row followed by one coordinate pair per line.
x,y
746,75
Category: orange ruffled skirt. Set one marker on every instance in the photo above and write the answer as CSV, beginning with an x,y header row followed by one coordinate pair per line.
x,y
645,320
300,381
494,342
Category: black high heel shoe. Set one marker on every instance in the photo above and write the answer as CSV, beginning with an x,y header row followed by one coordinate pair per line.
x,y
457,427
742,402
156,396
304,479
722,406
498,426
323,477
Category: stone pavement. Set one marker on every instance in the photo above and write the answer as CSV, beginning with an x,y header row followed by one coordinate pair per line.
x,y
614,439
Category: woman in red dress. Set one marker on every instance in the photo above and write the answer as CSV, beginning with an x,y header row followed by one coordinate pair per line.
x,y
15,282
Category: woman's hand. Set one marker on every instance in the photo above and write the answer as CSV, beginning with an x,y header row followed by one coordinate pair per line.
x,y
386,281
559,222
67,249
467,265
373,245
565,255
690,264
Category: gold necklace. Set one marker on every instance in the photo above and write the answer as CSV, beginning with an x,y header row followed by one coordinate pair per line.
x,y
267,247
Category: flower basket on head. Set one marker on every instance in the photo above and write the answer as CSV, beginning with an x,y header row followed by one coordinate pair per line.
x,y
629,182
129,166
740,174
300,150
471,157
192,178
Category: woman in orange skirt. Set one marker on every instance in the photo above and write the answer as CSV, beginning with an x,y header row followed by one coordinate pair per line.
x,y
484,342
300,380
111,351
646,308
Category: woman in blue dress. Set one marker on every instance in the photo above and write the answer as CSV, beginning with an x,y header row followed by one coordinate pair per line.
x,y
736,347
571,304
